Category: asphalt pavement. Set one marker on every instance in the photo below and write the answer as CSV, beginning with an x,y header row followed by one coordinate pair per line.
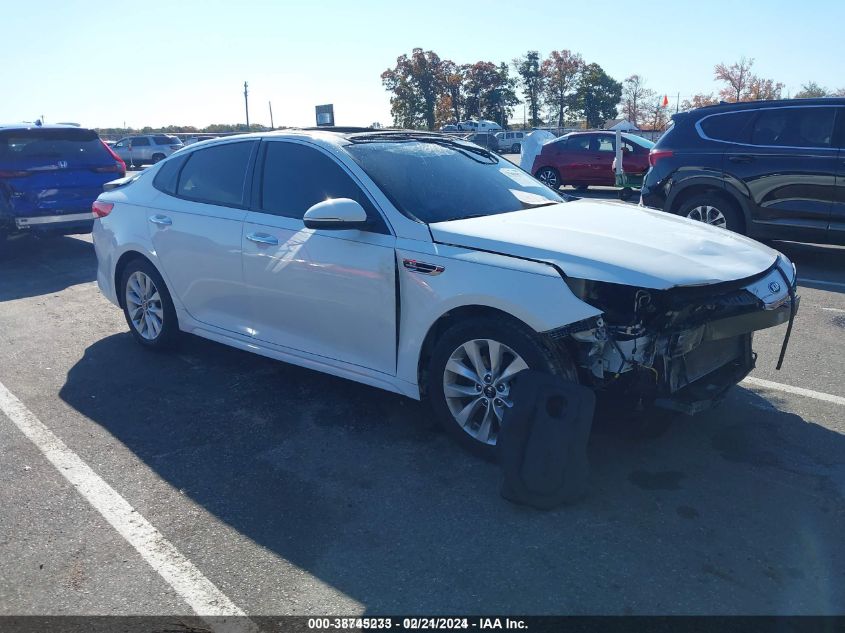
x,y
294,492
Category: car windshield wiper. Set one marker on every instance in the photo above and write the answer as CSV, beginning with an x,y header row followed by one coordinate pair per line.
x,y
465,148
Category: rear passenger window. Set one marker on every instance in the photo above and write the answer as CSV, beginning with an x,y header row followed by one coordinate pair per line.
x,y
794,127
168,174
733,127
165,140
296,177
140,141
216,174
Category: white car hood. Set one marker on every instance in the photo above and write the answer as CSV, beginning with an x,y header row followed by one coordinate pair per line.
x,y
614,242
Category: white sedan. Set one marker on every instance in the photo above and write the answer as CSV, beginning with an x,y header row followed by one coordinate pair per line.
x,y
428,266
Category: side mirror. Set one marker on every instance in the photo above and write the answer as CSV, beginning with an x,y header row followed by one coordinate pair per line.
x,y
336,214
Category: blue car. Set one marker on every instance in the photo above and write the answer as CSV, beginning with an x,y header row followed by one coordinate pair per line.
x,y
50,176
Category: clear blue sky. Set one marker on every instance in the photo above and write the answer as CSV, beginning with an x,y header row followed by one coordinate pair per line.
x,y
152,62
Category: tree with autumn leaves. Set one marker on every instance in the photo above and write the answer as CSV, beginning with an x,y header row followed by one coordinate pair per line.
x,y
427,91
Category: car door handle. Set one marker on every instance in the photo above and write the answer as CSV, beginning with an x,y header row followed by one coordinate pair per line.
x,y
161,220
263,238
741,158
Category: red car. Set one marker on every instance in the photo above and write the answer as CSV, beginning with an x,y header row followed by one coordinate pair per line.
x,y
582,159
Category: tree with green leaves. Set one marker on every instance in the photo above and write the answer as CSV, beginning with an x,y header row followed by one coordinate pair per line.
x,y
416,82
811,90
490,92
532,82
596,95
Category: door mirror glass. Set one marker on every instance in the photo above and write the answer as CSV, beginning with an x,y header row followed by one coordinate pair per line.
x,y
337,214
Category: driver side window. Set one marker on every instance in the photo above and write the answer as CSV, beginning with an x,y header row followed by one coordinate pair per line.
x,y
296,177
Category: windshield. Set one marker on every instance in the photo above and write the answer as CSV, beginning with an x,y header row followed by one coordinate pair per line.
x,y
438,179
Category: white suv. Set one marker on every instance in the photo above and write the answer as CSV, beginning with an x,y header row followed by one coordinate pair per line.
x,y
428,266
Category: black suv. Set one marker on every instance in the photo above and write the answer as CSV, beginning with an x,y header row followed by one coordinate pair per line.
x,y
769,169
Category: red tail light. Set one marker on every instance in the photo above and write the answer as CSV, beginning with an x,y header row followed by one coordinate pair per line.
x,y
657,154
13,174
101,209
121,166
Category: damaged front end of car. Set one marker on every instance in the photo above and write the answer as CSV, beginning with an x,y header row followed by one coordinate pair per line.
x,y
681,348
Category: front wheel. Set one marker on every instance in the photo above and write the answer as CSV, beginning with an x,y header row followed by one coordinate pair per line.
x,y
147,306
515,148
470,375
549,176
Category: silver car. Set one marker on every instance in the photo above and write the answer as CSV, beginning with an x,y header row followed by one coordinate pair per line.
x,y
146,148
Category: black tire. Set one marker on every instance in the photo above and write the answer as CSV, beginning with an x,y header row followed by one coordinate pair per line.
x,y
515,148
509,332
158,157
550,176
695,206
168,335
581,188
625,194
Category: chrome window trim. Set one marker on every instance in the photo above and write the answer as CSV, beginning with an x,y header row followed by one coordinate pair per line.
x,y
790,107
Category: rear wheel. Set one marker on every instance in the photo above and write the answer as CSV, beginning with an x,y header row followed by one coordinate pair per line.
x,y
515,148
549,176
713,209
157,158
470,375
147,306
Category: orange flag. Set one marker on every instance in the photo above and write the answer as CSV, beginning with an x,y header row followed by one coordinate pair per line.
x,y
665,101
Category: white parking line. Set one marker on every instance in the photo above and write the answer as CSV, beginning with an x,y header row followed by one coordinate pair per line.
x,y
798,391
821,282
187,581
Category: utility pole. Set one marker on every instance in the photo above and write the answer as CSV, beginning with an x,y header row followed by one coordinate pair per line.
x,y
678,104
270,103
246,104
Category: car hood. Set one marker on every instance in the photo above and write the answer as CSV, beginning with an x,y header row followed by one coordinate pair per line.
x,y
614,242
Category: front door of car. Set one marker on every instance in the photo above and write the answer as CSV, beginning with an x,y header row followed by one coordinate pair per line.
x,y
331,293
196,229
788,167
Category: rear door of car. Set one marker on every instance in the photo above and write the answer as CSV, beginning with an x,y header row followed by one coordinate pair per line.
x,y
50,174
196,228
788,167
330,293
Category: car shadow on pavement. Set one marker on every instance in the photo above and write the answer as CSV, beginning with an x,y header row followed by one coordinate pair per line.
x,y
736,511
30,267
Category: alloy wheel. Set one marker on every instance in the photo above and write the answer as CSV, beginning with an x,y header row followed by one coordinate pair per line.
x,y
548,177
477,384
709,215
143,303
